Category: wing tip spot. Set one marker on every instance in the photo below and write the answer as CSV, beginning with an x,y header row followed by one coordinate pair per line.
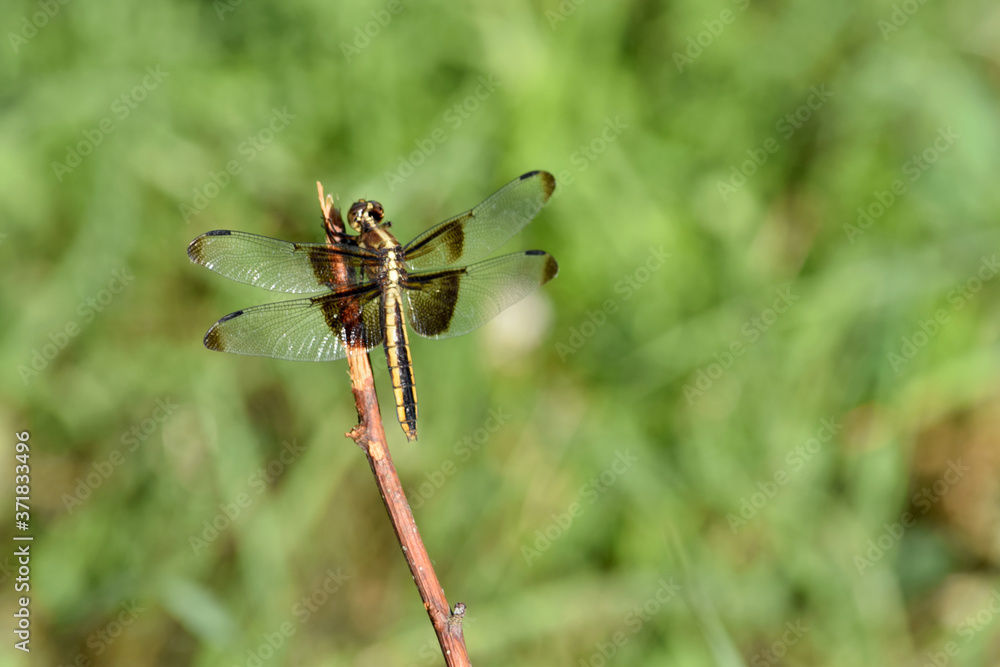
x,y
548,184
212,339
196,252
196,249
551,269
547,180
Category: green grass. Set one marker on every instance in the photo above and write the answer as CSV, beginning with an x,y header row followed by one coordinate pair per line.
x,y
656,346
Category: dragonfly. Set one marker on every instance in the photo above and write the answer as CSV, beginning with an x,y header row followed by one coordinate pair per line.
x,y
368,287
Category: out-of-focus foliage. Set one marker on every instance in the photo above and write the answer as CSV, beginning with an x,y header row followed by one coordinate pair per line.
x,y
754,420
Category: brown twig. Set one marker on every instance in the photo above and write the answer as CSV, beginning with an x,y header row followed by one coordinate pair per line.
x,y
370,437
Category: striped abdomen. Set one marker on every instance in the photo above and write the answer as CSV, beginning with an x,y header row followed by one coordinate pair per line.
x,y
397,355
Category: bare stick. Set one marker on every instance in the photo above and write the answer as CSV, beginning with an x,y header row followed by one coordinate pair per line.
x,y
370,437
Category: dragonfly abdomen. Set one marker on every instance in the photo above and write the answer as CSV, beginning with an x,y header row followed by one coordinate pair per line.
x,y
397,356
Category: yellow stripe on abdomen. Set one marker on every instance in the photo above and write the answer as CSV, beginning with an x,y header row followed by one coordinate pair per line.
x,y
397,355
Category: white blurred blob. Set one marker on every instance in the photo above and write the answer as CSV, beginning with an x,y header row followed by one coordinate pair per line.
x,y
962,596
518,331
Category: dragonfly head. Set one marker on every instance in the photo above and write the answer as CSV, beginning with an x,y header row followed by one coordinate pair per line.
x,y
365,216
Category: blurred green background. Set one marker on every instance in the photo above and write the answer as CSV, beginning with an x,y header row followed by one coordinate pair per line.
x,y
753,421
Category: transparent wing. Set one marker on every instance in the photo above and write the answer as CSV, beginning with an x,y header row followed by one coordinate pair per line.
x,y
451,302
281,266
316,329
481,230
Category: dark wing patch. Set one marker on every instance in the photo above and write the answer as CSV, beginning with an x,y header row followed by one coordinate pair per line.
x,y
320,328
433,297
451,302
442,244
281,266
481,230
